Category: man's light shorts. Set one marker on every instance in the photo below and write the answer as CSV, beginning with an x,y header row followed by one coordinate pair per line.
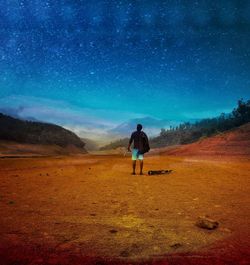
x,y
135,155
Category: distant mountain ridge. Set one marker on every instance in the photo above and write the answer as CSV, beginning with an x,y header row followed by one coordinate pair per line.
x,y
13,129
150,124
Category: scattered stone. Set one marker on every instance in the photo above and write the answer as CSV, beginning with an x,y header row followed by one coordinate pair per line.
x,y
207,223
124,253
93,214
66,246
113,231
89,167
47,174
156,248
11,202
226,230
176,245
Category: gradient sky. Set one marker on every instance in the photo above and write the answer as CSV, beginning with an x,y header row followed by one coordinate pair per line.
x,y
100,63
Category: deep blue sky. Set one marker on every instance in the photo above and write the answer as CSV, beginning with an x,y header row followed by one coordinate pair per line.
x,y
105,62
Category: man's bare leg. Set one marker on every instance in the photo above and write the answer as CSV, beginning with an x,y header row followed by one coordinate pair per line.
x,y
141,167
134,165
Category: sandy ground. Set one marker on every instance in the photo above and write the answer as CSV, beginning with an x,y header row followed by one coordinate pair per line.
x,y
88,209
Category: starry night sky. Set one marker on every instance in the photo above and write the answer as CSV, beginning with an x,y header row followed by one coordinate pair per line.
x,y
104,62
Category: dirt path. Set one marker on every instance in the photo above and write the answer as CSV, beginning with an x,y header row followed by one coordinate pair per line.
x,y
68,209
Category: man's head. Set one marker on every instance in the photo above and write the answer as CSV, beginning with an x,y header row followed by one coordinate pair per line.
x,y
139,127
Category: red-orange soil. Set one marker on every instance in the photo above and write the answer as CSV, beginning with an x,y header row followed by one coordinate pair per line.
x,y
89,210
233,143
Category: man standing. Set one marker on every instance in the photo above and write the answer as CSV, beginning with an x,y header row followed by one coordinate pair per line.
x,y
141,146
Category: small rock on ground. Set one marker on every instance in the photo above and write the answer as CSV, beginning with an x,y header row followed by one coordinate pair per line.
x,y
207,223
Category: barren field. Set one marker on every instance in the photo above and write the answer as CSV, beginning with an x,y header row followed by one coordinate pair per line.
x,y
89,209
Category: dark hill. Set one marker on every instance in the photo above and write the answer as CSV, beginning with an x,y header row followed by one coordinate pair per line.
x,y
12,129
